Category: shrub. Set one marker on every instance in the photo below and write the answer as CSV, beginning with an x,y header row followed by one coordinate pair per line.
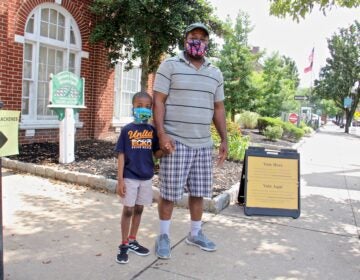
x,y
292,132
307,130
263,122
248,119
237,145
273,132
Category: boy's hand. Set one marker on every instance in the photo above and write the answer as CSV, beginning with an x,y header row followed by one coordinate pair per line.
x,y
120,188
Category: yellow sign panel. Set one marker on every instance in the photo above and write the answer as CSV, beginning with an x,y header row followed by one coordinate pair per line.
x,y
272,183
9,131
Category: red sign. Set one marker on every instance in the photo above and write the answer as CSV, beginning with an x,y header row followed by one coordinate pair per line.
x,y
293,118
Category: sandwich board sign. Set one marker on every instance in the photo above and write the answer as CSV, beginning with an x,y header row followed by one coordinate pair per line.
x,y
270,182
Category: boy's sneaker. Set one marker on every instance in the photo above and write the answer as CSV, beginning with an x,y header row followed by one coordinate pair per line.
x,y
122,256
135,247
201,241
162,246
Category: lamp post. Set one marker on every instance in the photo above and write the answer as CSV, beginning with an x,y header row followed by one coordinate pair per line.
x,y
1,221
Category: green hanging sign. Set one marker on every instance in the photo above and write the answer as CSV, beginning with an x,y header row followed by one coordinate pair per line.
x,y
66,91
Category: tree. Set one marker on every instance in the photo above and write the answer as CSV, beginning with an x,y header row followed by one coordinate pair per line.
x,y
147,29
237,63
300,8
280,81
342,71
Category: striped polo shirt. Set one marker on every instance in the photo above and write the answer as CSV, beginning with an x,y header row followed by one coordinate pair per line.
x,y
191,93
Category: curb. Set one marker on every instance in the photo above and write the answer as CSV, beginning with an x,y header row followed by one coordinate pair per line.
x,y
212,205
98,182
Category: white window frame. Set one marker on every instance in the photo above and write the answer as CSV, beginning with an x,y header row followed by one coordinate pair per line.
x,y
31,121
118,120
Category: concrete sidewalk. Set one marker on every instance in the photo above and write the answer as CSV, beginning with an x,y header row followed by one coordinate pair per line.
x,y
54,230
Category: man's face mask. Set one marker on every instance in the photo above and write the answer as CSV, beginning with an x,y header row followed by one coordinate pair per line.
x,y
196,48
142,115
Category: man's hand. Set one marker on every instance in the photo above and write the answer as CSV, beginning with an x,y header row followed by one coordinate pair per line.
x,y
167,144
223,151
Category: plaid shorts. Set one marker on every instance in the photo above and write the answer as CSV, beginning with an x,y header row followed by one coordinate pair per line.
x,y
189,168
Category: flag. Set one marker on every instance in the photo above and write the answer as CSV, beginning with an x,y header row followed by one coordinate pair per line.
x,y
311,61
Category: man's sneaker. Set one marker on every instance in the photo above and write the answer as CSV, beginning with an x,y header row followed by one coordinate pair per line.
x,y
162,246
135,247
201,241
122,256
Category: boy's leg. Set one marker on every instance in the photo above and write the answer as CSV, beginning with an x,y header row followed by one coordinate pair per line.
x,y
127,213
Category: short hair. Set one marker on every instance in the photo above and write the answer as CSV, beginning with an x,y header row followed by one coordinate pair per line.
x,y
141,94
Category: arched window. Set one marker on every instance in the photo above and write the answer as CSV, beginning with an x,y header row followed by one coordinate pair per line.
x,y
52,44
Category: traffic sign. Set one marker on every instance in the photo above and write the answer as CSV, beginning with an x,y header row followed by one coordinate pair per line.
x,y
301,97
293,118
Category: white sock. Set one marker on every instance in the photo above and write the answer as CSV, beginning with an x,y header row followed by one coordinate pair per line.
x,y
165,227
195,227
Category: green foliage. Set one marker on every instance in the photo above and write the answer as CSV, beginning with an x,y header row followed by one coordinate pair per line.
x,y
297,9
248,119
237,63
263,122
290,131
280,80
307,130
342,70
237,144
273,132
147,29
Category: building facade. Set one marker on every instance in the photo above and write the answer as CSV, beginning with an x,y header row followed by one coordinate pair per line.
x,y
39,38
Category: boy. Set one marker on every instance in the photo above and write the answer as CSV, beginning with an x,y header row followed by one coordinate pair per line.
x,y
136,145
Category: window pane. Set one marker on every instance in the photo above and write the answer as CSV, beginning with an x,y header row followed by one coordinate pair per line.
x,y
72,36
30,25
61,21
52,33
28,52
42,72
71,62
25,107
59,61
45,15
53,16
44,29
61,34
51,58
27,70
43,55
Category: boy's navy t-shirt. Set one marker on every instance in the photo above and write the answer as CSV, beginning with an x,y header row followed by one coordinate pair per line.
x,y
138,142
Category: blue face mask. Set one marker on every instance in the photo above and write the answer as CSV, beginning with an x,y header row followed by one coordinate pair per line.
x,y
142,115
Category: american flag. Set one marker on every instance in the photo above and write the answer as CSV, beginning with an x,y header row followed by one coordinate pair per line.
x,y
311,61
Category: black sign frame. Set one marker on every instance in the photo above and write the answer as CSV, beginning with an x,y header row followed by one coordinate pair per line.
x,y
243,188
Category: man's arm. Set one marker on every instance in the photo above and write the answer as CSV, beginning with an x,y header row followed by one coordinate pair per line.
x,y
219,120
166,143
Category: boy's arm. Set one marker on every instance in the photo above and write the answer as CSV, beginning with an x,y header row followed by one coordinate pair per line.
x,y
120,188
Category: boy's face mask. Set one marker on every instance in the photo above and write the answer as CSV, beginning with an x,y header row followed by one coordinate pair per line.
x,y
142,115
196,48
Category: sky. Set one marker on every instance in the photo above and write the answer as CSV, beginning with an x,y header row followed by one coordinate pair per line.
x,y
288,37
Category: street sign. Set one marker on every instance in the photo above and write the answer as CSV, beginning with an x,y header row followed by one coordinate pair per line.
x,y
347,102
293,118
300,97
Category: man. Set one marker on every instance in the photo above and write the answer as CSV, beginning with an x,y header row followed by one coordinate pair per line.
x,y
188,96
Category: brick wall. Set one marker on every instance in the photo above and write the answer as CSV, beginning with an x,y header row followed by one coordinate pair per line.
x,y
99,79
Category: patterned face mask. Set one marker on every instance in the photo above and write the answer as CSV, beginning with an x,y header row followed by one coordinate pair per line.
x,y
196,48
142,115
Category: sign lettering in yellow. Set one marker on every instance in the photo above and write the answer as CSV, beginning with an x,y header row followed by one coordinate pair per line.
x,y
272,183
9,131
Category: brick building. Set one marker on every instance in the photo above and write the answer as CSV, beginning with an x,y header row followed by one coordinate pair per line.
x,y
39,37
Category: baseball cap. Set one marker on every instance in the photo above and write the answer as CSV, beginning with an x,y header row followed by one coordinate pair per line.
x,y
195,25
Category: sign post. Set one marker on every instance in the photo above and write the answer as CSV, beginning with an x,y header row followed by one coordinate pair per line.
x,y
9,145
66,95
